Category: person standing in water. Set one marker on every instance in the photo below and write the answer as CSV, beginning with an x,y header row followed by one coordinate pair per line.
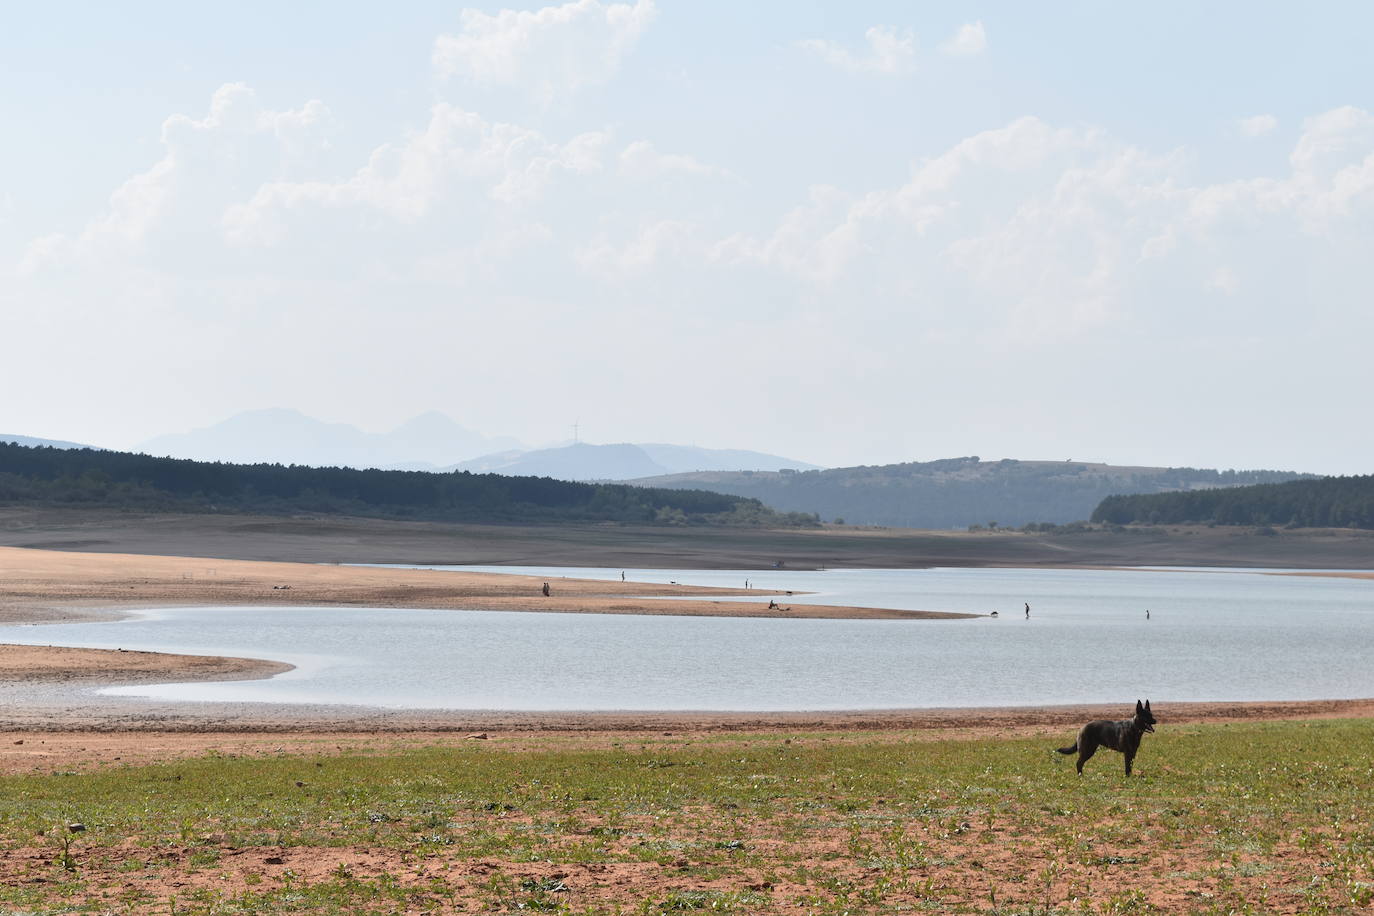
x,y
1028,610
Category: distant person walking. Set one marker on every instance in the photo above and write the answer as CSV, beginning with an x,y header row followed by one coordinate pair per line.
x,y
1028,610
622,575
1147,613
546,589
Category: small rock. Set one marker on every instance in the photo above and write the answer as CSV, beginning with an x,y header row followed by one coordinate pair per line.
x,y
275,860
479,736
20,741
76,828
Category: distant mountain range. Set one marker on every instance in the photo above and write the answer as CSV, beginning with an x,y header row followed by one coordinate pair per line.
x,y
583,461
951,493
282,436
958,492
51,443
434,442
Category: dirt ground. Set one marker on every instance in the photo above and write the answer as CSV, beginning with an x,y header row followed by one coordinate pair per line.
x,y
987,863
29,751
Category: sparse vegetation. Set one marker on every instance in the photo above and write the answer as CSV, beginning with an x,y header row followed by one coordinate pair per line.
x,y
1258,817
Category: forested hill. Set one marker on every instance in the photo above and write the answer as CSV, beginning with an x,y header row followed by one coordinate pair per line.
x,y
958,492
51,476
1328,502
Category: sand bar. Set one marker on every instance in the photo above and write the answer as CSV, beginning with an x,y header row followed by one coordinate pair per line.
x,y
40,585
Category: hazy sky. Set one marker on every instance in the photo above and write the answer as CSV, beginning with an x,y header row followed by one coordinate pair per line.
x,y
844,232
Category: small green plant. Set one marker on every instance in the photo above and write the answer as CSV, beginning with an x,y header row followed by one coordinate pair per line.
x,y
64,855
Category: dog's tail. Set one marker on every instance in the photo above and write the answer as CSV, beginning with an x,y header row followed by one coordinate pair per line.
x,y
1071,749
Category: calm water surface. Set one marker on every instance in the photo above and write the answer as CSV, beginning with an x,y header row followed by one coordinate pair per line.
x,y
1213,635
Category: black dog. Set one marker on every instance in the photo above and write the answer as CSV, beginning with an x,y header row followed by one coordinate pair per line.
x,y
1122,735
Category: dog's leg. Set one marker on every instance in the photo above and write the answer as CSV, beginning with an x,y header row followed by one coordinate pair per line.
x,y
1129,759
1085,751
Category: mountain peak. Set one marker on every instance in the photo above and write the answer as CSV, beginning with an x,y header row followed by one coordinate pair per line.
x,y
284,435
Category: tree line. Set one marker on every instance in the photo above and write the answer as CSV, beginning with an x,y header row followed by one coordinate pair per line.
x,y
1327,502
958,492
95,477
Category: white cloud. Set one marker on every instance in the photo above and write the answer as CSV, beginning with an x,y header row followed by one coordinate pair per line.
x,y
641,160
1037,233
1258,126
206,165
548,53
1223,280
1028,244
1329,140
969,39
889,52
647,250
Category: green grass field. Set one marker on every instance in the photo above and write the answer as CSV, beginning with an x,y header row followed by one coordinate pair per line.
x,y
1246,818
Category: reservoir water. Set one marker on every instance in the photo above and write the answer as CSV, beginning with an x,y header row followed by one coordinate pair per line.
x,y
1211,635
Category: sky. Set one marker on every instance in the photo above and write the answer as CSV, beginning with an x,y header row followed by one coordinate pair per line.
x,y
855,233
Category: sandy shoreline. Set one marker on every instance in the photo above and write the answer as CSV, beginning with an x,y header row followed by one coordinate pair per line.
x,y
43,585
38,586
105,667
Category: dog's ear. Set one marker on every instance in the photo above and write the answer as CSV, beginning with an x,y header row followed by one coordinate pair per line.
x,y
1147,705
1138,707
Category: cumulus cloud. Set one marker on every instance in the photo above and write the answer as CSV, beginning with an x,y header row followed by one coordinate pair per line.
x,y
206,164
1258,126
547,53
1056,227
1224,280
1038,233
1023,241
888,51
969,39
459,162
642,160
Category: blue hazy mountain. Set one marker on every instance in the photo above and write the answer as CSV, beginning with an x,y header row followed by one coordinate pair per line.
x,y
624,461
33,441
283,436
